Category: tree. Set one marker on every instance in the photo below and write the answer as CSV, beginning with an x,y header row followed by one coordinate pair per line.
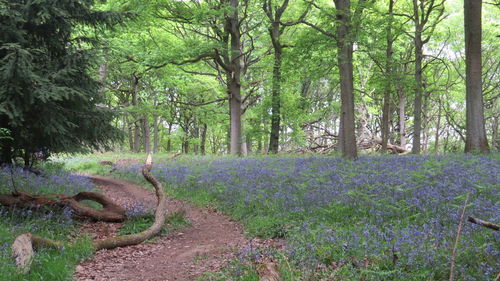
x,y
347,23
424,27
475,128
48,99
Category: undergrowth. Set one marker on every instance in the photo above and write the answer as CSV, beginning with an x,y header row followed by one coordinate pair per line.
x,y
376,218
48,264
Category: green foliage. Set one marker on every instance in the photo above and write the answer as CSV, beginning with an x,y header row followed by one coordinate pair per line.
x,y
48,100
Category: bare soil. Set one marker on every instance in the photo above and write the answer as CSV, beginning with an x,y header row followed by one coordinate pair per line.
x,y
206,246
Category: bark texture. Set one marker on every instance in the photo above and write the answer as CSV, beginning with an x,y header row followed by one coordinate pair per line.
x,y
345,54
234,85
388,74
475,140
417,109
110,212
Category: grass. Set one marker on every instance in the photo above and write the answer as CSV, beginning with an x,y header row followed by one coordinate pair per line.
x,y
377,218
49,264
140,222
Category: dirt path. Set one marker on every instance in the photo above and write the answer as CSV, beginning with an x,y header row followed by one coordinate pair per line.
x,y
205,246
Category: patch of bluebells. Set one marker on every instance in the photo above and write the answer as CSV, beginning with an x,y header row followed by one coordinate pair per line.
x,y
46,222
396,215
50,183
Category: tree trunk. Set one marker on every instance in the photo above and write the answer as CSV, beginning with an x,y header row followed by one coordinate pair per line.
x,y
146,134
495,141
425,118
156,136
476,140
388,70
417,109
234,85
402,118
275,103
169,140
27,158
438,126
130,129
275,34
203,138
195,135
345,54
137,140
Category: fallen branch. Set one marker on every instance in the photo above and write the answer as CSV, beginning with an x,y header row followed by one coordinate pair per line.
x,y
22,248
457,238
110,212
396,149
487,224
137,238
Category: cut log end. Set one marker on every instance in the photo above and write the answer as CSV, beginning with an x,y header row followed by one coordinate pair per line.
x,y
268,271
22,250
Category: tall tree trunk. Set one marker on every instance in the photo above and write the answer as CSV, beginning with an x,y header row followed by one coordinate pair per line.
x,y
388,70
203,138
137,140
495,141
169,140
195,135
146,134
244,151
425,118
417,109
234,85
130,133
156,137
274,16
276,102
476,140
438,126
345,54
402,118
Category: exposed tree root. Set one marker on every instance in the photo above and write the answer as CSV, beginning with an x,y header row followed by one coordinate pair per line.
x,y
110,212
22,247
137,238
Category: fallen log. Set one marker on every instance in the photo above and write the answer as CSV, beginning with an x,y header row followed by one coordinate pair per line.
x,y
487,224
111,212
22,247
396,149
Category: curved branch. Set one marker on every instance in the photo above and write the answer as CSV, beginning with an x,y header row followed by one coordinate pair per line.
x,y
137,238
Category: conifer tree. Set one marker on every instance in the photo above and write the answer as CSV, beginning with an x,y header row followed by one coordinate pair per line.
x,y
48,99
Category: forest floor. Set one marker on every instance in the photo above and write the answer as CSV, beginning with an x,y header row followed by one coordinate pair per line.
x,y
207,245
